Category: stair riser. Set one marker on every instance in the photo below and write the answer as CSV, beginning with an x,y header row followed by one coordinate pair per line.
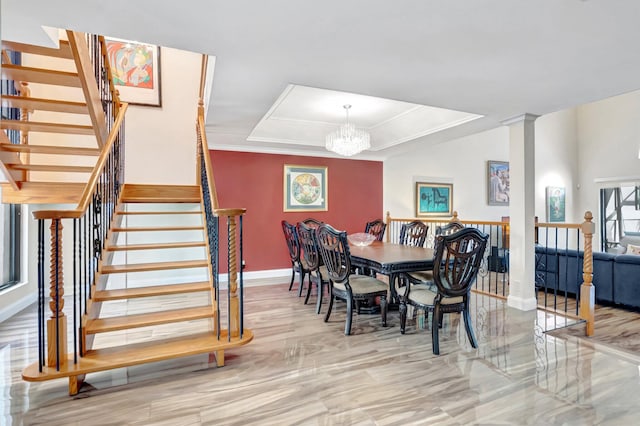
x,y
150,256
161,220
123,238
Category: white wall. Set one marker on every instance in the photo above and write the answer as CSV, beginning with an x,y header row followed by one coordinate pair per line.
x,y
463,162
557,162
609,140
161,142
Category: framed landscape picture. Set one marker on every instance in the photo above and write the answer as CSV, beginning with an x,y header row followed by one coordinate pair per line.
x,y
498,183
136,71
434,199
555,204
305,188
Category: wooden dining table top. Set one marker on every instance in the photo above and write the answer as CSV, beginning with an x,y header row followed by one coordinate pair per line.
x,y
387,258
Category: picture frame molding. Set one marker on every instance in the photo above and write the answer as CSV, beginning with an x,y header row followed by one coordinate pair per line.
x,y
293,171
419,186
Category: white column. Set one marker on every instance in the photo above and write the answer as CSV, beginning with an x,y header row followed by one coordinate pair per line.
x,y
522,212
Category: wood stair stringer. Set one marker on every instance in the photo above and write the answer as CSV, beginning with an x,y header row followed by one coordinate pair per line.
x,y
118,357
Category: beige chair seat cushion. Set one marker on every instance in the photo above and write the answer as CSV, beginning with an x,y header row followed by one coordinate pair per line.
x,y
421,275
361,284
324,272
421,294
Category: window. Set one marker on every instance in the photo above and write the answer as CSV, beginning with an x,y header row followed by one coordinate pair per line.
x,y
10,244
620,213
10,213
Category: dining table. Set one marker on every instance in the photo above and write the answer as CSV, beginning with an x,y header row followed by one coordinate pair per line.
x,y
392,260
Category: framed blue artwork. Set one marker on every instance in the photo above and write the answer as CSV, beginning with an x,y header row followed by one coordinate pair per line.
x,y
434,199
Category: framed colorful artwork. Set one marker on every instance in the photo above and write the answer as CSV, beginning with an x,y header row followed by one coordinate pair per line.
x,y
555,204
305,188
498,183
434,199
136,71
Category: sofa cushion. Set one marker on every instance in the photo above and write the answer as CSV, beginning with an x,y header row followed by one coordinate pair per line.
x,y
626,280
603,275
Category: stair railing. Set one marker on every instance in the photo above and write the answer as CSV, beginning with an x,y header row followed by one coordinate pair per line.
x,y
552,275
233,231
91,221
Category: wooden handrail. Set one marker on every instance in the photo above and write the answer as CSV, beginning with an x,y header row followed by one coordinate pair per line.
x,y
115,95
203,75
207,159
200,128
87,194
229,212
81,57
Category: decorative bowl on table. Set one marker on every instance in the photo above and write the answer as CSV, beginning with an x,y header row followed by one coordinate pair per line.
x,y
361,239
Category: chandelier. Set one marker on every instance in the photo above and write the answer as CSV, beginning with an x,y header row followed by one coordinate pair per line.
x,y
348,140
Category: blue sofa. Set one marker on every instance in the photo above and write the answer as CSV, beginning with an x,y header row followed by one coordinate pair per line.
x,y
616,276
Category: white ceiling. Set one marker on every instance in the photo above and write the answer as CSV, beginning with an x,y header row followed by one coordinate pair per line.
x,y
495,58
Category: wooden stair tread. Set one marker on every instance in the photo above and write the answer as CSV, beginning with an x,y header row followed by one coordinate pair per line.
x,y
159,290
134,193
156,266
158,228
43,192
36,126
64,50
50,149
50,168
44,104
40,75
156,246
140,353
105,325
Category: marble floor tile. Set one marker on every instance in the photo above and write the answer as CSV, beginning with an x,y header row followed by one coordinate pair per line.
x,y
299,370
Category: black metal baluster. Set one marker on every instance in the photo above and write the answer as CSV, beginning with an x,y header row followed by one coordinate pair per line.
x,y
57,270
242,282
75,295
229,236
40,294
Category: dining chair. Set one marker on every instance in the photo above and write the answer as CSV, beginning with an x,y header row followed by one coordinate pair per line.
x,y
344,285
314,223
426,277
318,273
456,263
376,228
298,264
413,233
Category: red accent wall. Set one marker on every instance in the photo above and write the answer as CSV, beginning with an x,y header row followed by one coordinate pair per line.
x,y
255,181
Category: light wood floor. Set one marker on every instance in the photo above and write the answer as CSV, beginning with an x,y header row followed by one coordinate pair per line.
x,y
300,370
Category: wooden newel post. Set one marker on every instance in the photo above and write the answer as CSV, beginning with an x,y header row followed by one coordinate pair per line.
x,y
234,297
234,303
454,218
388,222
587,289
57,324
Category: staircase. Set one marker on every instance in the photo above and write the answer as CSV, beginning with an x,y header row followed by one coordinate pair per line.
x,y
59,144
142,285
